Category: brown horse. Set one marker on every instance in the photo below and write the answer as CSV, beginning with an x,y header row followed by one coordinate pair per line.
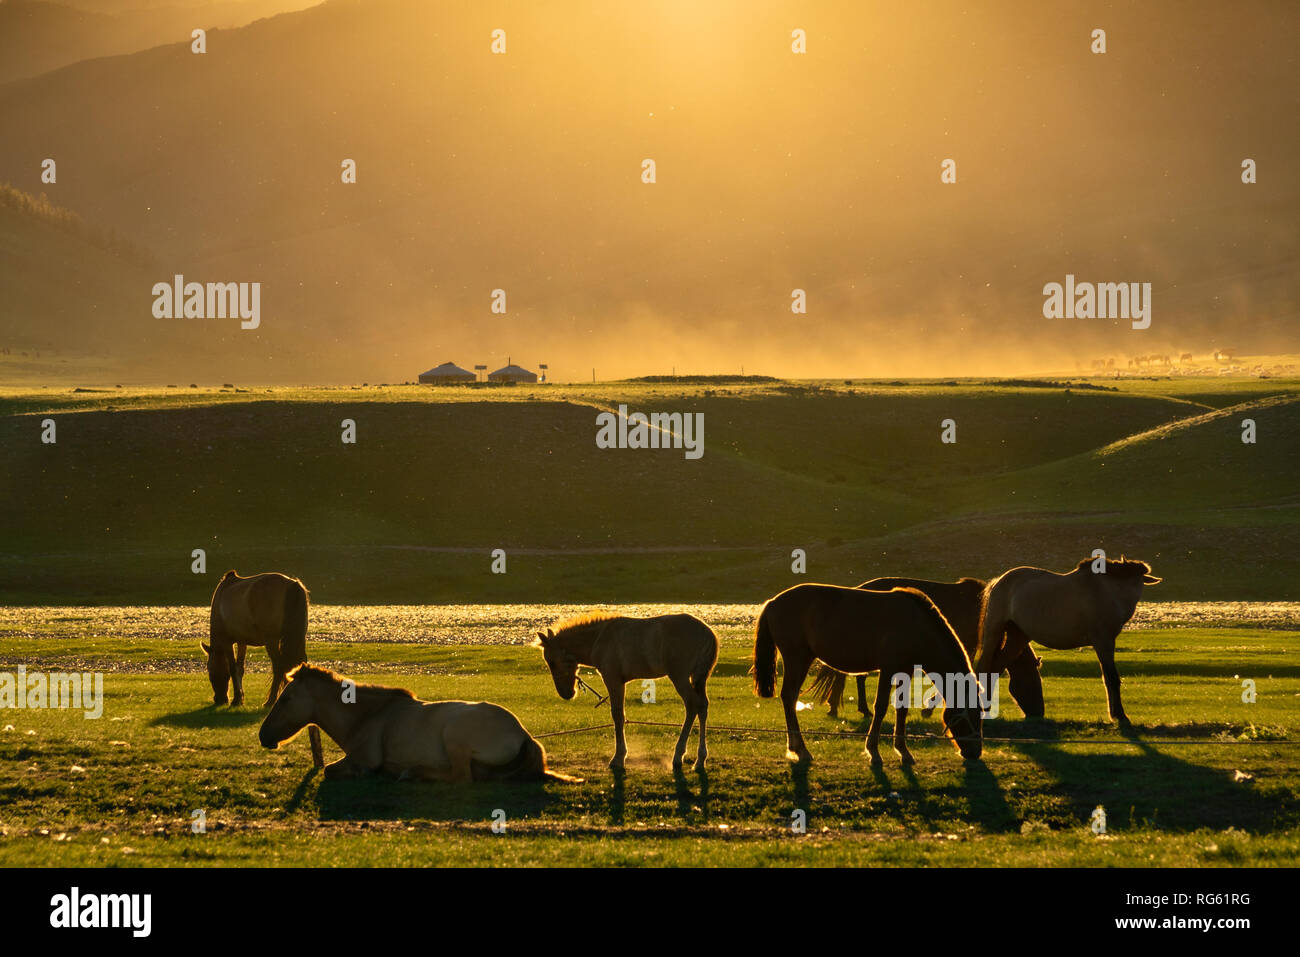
x,y
389,731
858,631
621,649
270,610
1071,610
961,602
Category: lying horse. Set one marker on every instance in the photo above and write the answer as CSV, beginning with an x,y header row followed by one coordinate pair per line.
x,y
391,732
270,610
961,602
621,649
1071,610
858,631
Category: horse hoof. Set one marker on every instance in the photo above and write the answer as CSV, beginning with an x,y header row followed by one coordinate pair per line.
x,y
616,764
876,762
798,757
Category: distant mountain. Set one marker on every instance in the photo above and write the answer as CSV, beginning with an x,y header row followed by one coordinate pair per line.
x,y
37,36
775,172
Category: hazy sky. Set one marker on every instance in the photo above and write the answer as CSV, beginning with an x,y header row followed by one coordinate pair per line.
x,y
775,171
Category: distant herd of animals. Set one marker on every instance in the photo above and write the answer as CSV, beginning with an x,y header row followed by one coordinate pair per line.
x,y
961,629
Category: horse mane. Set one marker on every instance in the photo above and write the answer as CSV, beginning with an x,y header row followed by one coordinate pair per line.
x,y
368,693
584,620
1128,568
1119,567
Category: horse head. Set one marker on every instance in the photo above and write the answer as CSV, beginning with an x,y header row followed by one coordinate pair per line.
x,y
562,662
220,667
292,711
1130,576
963,726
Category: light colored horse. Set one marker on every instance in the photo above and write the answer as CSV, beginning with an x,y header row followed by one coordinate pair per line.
x,y
391,732
858,631
622,649
1075,609
270,610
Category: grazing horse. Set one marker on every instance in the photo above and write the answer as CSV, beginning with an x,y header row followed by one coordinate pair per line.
x,y
961,602
621,649
270,610
857,631
1071,610
389,731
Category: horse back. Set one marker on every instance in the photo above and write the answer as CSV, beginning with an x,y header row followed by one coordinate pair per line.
x,y
855,630
654,647
960,602
251,610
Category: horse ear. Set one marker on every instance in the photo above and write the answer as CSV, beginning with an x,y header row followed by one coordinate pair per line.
x,y
207,649
549,633
538,641
1151,580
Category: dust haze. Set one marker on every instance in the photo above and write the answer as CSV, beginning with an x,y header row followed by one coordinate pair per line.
x,y
775,171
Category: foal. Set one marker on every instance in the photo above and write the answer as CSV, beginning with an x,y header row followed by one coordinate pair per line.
x,y
621,649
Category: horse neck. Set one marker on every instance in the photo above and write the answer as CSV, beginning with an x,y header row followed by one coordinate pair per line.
x,y
328,714
947,652
581,641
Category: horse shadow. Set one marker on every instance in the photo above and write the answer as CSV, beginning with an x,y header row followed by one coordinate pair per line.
x,y
384,799
1148,786
211,716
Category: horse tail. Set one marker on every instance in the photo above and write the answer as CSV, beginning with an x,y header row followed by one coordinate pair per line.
x,y
293,626
764,667
824,684
528,765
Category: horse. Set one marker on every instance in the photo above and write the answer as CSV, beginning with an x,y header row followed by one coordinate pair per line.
x,y
856,631
1072,609
961,602
270,610
391,733
621,649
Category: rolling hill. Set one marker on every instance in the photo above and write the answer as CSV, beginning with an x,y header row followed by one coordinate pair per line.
x,y
856,477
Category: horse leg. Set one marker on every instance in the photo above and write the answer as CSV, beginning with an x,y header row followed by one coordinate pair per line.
x,y
1110,674
836,695
616,687
900,736
877,719
345,767
278,679
797,663
238,653
683,686
862,696
702,713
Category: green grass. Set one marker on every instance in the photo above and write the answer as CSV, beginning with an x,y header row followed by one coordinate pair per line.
x,y
853,474
161,752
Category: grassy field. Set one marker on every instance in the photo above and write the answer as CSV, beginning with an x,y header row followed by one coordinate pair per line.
x,y
393,535
854,474
1205,780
